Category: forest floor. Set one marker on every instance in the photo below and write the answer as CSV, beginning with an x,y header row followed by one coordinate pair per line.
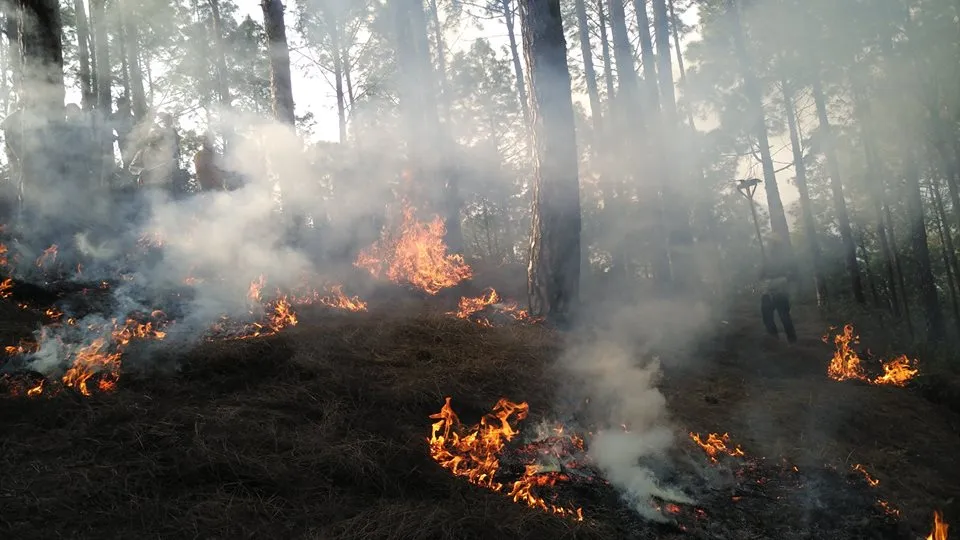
x,y
320,432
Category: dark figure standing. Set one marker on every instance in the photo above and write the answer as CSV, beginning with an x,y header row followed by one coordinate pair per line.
x,y
775,276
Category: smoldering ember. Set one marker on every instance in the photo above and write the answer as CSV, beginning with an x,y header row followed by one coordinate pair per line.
x,y
371,269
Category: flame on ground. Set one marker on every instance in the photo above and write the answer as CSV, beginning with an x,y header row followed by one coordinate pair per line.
x,y
716,445
468,308
276,315
49,256
474,453
846,363
416,254
873,482
337,299
940,527
6,287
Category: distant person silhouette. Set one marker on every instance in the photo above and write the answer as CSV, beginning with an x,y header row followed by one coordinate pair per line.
x,y
775,276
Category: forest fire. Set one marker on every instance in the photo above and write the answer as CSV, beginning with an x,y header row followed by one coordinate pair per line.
x,y
6,288
474,453
846,363
716,445
95,365
416,255
470,308
335,298
873,482
940,527
48,257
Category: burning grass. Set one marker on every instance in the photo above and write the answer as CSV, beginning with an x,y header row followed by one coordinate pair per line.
x,y
847,365
318,432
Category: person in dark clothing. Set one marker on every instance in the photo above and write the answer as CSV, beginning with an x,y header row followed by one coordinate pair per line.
x,y
775,277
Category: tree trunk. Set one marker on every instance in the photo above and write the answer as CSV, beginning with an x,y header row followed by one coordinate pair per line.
x,y
897,263
836,185
605,49
280,84
589,72
441,60
946,252
877,196
98,15
508,13
679,233
554,268
646,56
41,46
809,225
674,23
754,95
220,55
138,97
83,41
918,239
335,38
347,69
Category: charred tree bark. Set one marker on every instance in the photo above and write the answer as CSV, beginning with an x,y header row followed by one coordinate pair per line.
x,y
871,282
839,203
280,85
554,268
88,97
897,263
589,72
754,95
918,239
809,225
41,47
508,15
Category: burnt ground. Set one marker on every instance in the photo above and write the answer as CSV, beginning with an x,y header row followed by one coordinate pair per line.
x,y
319,432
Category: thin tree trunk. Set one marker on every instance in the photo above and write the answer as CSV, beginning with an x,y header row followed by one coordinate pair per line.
x,y
754,95
441,60
138,97
946,252
647,57
98,14
83,41
507,7
554,269
589,72
674,23
338,75
921,251
836,185
220,55
347,69
806,209
897,263
605,49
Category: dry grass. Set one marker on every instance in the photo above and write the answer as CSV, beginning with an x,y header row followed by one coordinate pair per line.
x,y
318,433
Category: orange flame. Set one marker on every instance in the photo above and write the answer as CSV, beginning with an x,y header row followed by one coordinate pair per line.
x,y
940,527
873,482
469,307
49,255
5,288
3,255
337,299
474,453
416,254
846,363
716,445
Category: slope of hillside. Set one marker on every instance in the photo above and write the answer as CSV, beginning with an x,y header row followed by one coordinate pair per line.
x,y
320,432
